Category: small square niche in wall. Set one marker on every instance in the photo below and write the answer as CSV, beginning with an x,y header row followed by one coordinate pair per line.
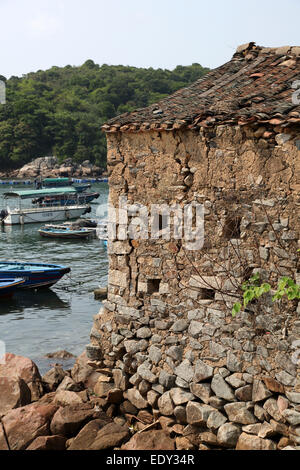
x,y
153,285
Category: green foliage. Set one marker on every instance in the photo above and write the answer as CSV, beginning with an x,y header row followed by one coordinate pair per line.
x,y
254,289
60,111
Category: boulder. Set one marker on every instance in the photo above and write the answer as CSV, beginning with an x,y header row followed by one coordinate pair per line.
x,y
68,420
88,433
250,442
197,413
69,385
260,391
110,436
13,393
48,443
228,435
81,370
53,378
65,398
238,413
24,424
221,388
150,440
19,367
136,398
165,404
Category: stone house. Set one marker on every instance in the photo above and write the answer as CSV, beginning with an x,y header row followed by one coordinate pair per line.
x,y
231,143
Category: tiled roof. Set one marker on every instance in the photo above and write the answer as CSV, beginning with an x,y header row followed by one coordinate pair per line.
x,y
255,86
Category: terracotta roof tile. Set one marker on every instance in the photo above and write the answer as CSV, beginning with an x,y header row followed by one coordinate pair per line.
x,y
256,85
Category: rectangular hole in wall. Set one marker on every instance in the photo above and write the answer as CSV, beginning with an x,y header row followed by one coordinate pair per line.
x,y
153,285
232,228
207,294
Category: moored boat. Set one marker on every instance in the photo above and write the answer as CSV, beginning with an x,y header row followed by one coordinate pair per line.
x,y
8,286
65,233
61,200
25,215
35,275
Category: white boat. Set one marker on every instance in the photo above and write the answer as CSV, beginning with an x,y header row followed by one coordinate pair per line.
x,y
27,215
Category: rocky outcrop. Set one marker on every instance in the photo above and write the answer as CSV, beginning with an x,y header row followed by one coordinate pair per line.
x,y
47,167
109,416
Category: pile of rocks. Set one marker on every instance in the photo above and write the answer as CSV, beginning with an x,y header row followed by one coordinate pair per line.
x,y
49,167
93,408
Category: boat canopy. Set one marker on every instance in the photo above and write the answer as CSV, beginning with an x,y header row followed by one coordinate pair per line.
x,y
40,192
56,180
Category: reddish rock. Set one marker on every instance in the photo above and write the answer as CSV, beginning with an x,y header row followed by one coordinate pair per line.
x,y
13,393
145,416
81,371
282,403
250,442
273,385
69,385
150,440
182,443
110,436
19,367
68,420
3,443
48,443
88,433
115,396
54,377
62,354
24,424
65,398
101,389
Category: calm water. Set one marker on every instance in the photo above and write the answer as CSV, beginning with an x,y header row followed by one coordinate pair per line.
x,y
35,323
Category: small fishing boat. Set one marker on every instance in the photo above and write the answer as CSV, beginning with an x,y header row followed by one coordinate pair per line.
x,y
26,215
9,286
62,200
65,233
61,182
34,274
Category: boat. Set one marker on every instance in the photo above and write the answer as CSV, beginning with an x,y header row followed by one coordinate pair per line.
x,y
62,182
65,233
8,286
35,275
55,182
25,215
60,199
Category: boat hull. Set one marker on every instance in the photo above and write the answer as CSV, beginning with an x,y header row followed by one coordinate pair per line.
x,y
45,214
9,286
66,234
34,275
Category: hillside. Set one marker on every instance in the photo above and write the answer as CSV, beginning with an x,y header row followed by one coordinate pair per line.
x,y
60,111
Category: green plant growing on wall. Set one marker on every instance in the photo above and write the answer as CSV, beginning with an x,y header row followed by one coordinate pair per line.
x,y
253,289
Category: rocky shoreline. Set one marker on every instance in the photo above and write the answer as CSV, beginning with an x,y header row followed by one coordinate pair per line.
x,y
49,167
88,408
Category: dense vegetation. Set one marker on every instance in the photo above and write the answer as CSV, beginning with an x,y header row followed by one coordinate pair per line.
x,y
60,111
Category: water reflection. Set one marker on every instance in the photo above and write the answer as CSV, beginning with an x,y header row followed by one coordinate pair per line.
x,y
43,298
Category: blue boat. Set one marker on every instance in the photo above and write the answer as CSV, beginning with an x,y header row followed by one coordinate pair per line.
x,y
35,275
9,286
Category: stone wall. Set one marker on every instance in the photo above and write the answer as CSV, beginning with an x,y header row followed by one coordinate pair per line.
x,y
166,329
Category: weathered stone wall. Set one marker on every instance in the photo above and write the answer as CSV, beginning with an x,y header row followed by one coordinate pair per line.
x,y
166,327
